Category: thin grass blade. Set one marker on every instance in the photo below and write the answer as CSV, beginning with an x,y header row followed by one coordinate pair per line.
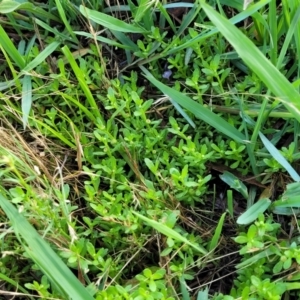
x,y
16,285
110,22
26,99
41,56
169,232
80,76
64,19
215,239
57,34
183,113
279,157
105,40
198,110
141,10
63,137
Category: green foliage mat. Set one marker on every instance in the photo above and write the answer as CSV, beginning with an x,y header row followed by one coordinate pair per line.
x,y
149,149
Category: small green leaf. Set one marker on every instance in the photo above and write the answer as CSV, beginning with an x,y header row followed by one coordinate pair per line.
x,y
150,165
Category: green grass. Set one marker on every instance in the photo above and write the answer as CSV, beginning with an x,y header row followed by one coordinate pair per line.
x,y
149,150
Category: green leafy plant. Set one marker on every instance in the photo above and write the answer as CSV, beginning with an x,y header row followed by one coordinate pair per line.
x,y
151,146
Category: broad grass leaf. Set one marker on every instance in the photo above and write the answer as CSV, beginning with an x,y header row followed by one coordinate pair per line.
x,y
169,232
254,58
109,22
197,109
253,212
215,239
10,49
8,6
44,256
286,211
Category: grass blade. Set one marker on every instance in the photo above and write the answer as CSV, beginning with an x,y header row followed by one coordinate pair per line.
x,y
278,156
184,291
41,56
15,284
80,76
198,110
104,40
289,203
203,295
253,212
110,22
11,6
183,113
26,99
8,6
169,232
215,239
43,255
64,19
10,49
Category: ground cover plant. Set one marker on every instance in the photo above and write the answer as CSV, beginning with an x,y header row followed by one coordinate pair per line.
x,y
149,149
